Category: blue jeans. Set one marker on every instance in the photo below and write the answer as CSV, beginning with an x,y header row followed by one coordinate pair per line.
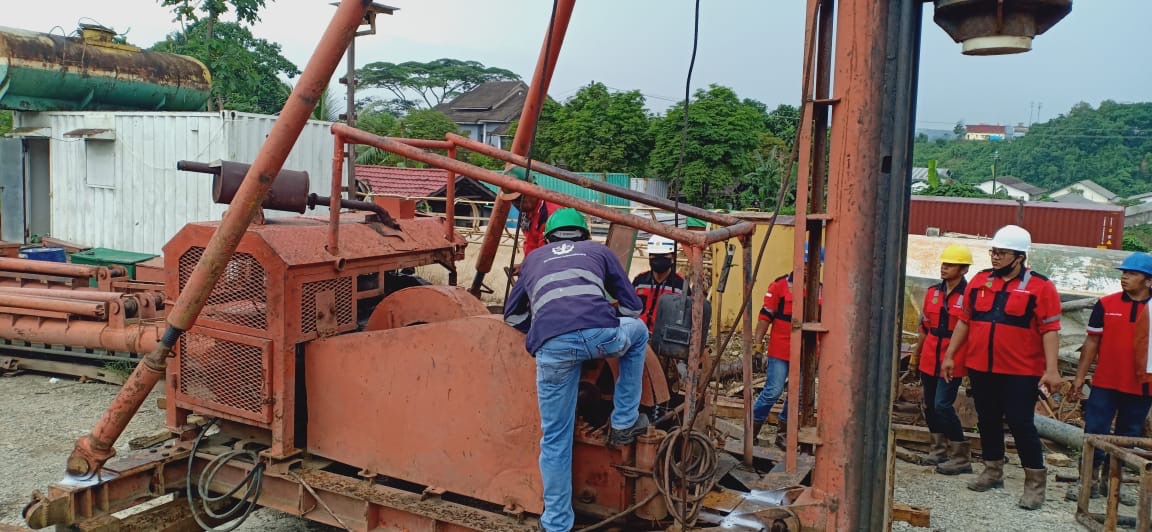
x,y
558,365
939,414
777,377
1104,405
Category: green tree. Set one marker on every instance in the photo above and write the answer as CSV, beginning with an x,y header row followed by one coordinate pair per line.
x,y
597,131
189,11
723,135
5,122
1110,144
329,107
245,70
433,82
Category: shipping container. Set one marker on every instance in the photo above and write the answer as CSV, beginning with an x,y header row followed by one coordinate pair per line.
x,y
1094,226
614,178
109,179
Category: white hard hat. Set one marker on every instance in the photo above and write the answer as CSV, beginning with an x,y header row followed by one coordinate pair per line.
x,y
1013,237
658,245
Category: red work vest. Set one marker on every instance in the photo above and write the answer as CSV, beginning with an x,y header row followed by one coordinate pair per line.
x,y
534,225
941,313
1114,321
1006,321
778,310
650,290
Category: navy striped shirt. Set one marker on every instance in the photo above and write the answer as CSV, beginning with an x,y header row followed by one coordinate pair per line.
x,y
565,286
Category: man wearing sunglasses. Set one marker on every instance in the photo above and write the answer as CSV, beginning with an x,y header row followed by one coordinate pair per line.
x,y
1009,326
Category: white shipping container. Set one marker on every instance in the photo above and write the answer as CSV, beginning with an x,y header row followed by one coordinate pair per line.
x,y
113,178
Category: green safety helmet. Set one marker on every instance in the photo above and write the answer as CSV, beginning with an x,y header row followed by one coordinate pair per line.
x,y
566,219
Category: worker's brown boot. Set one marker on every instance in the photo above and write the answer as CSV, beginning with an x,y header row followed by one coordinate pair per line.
x,y
991,477
756,426
782,435
1035,488
937,450
959,459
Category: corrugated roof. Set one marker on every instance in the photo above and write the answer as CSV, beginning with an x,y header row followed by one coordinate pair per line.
x,y
1017,184
984,129
1089,185
921,173
492,101
412,182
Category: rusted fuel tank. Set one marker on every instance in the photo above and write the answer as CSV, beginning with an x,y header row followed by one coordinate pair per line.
x,y
45,72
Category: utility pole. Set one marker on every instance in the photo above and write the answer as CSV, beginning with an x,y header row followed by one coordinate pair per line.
x,y
995,157
349,79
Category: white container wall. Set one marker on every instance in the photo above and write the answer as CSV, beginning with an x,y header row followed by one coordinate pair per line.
x,y
123,191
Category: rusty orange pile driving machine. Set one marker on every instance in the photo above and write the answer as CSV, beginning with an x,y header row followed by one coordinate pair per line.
x,y
342,389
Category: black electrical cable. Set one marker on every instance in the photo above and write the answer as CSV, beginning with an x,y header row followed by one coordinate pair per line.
x,y
246,504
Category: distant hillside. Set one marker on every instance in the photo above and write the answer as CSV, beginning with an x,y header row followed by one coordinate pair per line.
x,y
1111,145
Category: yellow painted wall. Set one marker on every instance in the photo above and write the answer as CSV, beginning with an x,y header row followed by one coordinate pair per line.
x,y
777,261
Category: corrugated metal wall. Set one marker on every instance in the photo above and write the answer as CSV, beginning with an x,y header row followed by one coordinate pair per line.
x,y
1094,226
149,200
615,178
650,186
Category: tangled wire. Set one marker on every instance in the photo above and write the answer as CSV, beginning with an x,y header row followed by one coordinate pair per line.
x,y
685,472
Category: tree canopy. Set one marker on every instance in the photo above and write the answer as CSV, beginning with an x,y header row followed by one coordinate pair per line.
x,y
245,70
247,11
596,131
724,136
414,83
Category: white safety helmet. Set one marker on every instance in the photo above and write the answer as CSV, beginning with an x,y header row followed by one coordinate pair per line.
x,y
1013,237
658,245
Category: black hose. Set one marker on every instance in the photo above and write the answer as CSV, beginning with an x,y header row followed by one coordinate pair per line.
x,y
694,476
356,205
239,511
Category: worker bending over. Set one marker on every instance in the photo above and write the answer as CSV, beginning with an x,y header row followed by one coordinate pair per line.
x,y
562,301
1117,393
1009,324
943,304
659,280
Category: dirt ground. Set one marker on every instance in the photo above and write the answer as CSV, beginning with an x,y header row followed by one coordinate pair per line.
x,y
43,418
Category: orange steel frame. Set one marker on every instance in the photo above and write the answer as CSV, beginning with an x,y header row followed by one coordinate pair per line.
x,y
860,210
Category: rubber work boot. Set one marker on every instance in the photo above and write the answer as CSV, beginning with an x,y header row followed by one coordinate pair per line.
x,y
756,426
1097,491
1035,486
937,450
991,477
782,435
959,459
622,437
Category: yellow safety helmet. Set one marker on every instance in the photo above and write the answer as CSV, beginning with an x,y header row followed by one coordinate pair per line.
x,y
956,254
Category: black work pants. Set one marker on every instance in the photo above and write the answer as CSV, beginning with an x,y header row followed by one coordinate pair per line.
x,y
939,414
1007,399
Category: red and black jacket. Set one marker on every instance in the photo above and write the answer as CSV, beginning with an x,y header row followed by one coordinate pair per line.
x,y
777,309
941,312
1114,321
650,290
1007,320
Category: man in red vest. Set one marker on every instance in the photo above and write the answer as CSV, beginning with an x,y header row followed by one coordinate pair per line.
x,y
943,304
777,313
1010,326
660,279
1117,393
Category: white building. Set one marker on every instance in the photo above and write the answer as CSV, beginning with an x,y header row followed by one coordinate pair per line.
x,y
1086,189
109,179
1012,187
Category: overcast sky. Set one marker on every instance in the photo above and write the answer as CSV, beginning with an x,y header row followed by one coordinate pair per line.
x,y
1103,50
